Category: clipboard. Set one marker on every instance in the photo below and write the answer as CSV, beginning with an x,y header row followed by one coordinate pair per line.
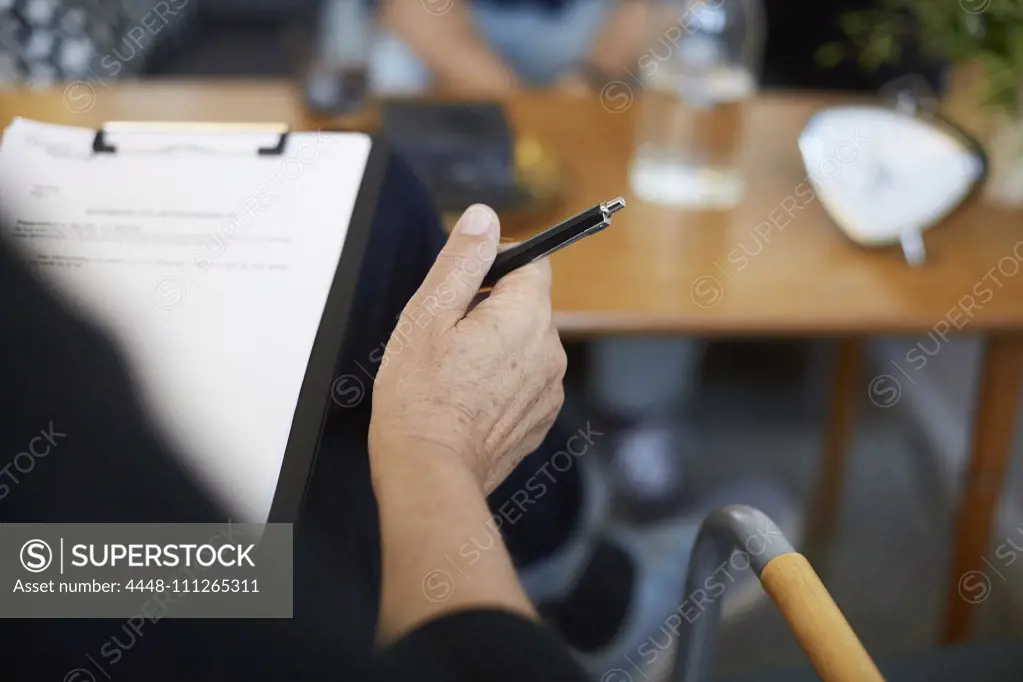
x,y
314,398
102,145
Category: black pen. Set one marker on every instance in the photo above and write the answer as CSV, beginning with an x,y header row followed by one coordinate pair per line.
x,y
590,221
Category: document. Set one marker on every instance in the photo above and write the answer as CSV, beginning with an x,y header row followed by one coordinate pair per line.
x,y
207,263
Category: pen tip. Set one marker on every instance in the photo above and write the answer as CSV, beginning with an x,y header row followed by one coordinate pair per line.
x,y
614,205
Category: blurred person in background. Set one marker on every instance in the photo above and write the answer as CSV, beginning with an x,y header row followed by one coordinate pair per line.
x,y
492,47
496,46
485,47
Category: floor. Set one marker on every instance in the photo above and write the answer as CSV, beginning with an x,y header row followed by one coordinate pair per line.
x,y
886,565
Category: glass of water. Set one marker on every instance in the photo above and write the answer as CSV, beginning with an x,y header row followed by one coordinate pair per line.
x,y
698,74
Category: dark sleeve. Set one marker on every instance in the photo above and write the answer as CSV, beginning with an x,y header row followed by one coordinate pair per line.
x,y
495,646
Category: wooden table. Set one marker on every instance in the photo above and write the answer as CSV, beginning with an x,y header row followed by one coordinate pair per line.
x,y
718,274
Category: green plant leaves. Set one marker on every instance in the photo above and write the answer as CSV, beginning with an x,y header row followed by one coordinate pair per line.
x,y
957,31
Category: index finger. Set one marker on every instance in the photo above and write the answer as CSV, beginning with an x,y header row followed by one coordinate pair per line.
x,y
536,275
525,289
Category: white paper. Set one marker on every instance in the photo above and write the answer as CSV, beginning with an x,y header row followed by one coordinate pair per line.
x,y
208,263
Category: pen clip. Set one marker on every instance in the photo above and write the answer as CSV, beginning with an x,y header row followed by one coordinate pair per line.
x,y
585,233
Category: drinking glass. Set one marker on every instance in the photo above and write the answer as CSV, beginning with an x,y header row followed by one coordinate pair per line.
x,y
698,75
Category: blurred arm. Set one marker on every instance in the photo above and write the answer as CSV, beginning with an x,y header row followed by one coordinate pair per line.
x,y
623,37
617,47
441,32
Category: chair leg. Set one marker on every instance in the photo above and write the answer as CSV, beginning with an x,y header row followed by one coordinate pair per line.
x,y
994,425
827,500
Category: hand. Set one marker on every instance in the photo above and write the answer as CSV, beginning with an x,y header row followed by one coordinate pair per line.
x,y
482,386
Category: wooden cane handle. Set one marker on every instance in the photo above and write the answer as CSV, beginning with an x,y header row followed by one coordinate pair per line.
x,y
828,640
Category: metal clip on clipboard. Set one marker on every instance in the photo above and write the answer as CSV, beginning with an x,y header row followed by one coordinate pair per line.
x,y
101,143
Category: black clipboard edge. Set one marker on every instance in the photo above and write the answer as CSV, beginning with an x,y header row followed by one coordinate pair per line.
x,y
315,395
101,145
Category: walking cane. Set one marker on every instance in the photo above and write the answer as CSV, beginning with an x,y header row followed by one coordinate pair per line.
x,y
830,643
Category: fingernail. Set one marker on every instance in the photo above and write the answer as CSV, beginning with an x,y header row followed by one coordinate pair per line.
x,y
476,220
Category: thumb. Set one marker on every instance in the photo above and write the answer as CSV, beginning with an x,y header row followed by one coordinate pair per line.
x,y
456,275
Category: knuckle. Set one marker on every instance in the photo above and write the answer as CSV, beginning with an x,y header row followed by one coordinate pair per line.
x,y
541,269
559,398
536,273
560,356
449,255
453,259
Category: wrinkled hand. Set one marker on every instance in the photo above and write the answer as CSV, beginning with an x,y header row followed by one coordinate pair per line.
x,y
482,386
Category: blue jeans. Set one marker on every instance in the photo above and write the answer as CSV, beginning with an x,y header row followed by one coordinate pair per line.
x,y
541,46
